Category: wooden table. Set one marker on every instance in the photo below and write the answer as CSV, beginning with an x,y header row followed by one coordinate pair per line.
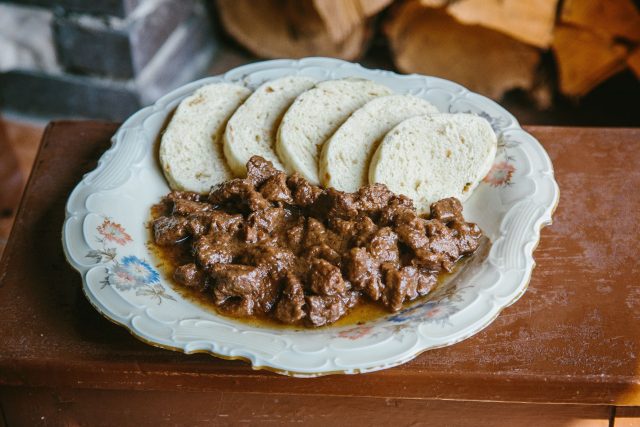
x,y
566,352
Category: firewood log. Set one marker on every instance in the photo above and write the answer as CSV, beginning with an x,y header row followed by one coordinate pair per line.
x,y
298,28
613,18
430,41
529,21
592,42
585,59
341,17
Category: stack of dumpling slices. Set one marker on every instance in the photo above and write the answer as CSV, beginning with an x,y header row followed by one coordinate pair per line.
x,y
342,133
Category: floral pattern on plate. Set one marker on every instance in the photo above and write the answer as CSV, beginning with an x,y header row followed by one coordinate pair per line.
x,y
130,272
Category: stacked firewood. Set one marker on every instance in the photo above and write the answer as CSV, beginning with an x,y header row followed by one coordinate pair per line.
x,y
490,46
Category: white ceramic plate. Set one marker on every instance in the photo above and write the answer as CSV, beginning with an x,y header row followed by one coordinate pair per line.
x,y
105,238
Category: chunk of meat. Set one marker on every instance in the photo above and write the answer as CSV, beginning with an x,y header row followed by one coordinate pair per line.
x,y
260,170
406,284
446,210
324,252
169,230
413,233
343,226
363,271
373,198
244,282
184,195
275,260
426,281
219,224
295,235
224,223
188,207
275,189
197,226
261,224
398,211
363,231
239,192
290,307
338,204
229,191
442,240
323,310
383,246
239,307
237,280
468,236
210,252
191,276
363,264
303,193
402,285
325,278
316,233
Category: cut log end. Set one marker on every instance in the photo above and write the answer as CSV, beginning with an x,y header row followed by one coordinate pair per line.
x,y
430,41
585,59
299,28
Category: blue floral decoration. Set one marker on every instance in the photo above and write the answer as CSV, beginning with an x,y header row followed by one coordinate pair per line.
x,y
131,273
431,311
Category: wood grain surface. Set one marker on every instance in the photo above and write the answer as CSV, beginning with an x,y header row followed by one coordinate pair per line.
x,y
19,143
75,407
572,338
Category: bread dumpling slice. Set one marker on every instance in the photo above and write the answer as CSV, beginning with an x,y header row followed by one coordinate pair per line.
x,y
345,157
315,115
428,158
191,146
253,127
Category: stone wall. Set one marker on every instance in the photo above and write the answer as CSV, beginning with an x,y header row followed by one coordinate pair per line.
x,y
101,58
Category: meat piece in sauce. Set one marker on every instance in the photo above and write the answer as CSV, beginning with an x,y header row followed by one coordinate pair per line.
x,y
405,284
446,210
290,307
239,193
259,170
274,189
169,230
188,207
261,224
210,252
191,276
323,310
303,193
325,278
244,287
